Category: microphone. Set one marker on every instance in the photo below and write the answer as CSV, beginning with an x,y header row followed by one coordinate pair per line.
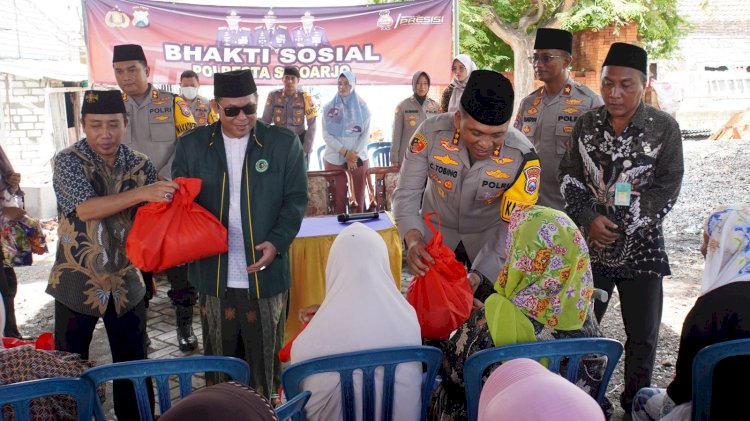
x,y
348,217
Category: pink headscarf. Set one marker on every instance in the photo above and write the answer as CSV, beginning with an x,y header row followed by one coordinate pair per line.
x,y
524,390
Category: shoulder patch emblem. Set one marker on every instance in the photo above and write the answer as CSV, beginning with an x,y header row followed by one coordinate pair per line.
x,y
446,159
571,110
183,107
446,144
532,179
418,143
502,161
497,174
573,101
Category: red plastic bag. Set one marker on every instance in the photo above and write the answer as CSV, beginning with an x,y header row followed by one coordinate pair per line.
x,y
45,341
442,297
168,234
285,353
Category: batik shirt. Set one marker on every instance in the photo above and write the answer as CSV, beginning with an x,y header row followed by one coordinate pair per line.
x,y
648,156
91,267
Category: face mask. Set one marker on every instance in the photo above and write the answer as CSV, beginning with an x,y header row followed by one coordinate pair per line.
x,y
188,92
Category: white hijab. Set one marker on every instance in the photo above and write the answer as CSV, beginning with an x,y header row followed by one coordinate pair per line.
x,y
728,254
459,85
362,310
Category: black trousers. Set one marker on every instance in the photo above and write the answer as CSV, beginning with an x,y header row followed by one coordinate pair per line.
x,y
73,333
180,292
641,301
8,290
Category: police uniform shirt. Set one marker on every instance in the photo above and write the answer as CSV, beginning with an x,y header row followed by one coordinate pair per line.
x,y
315,37
548,123
155,125
291,112
474,201
227,37
275,37
202,112
409,115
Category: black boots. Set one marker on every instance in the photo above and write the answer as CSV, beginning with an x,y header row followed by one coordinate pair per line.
x,y
185,337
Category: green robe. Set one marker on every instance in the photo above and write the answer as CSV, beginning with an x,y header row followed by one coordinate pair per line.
x,y
274,199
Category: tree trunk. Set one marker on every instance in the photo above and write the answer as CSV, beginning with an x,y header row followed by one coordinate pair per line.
x,y
523,71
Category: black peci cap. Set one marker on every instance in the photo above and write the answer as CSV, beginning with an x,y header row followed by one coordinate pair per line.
x,y
627,55
103,102
234,84
488,97
553,39
127,52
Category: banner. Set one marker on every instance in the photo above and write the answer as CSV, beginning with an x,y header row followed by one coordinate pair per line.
x,y
382,44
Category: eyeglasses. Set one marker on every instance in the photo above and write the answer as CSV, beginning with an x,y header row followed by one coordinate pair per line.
x,y
248,109
544,59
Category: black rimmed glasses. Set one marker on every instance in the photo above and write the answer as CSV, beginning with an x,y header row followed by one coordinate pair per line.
x,y
544,59
248,109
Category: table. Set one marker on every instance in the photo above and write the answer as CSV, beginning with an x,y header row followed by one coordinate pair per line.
x,y
308,255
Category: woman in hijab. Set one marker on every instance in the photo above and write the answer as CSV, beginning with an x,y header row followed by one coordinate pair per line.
x,y
524,390
346,131
362,310
461,69
410,113
721,313
222,402
543,293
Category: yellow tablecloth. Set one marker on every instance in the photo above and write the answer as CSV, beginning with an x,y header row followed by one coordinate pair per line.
x,y
309,254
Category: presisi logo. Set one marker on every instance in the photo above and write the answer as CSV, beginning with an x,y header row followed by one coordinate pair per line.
x,y
418,20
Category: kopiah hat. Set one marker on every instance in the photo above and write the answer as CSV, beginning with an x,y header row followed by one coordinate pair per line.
x,y
291,71
234,84
553,39
127,52
627,55
103,102
488,97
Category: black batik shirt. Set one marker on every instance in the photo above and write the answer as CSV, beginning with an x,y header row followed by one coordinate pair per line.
x,y
648,155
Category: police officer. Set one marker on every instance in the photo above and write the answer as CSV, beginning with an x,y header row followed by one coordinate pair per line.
x,y
271,35
200,107
548,115
410,113
291,107
309,35
233,34
156,119
471,168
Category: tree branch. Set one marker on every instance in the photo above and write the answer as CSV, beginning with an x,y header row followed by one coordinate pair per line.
x,y
554,21
504,31
531,17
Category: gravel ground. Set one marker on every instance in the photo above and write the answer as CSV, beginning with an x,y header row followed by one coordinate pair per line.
x,y
716,173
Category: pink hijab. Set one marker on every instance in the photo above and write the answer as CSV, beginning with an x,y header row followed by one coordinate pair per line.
x,y
524,390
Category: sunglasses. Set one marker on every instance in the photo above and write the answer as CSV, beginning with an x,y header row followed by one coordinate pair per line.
x,y
248,109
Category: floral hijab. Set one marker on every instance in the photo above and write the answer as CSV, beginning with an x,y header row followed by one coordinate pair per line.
x,y
547,277
728,253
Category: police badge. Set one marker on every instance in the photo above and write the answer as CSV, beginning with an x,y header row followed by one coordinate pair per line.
x,y
140,17
116,18
385,20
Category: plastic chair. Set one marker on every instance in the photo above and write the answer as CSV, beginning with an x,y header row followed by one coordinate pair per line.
x,y
367,362
293,407
572,349
160,371
20,395
379,154
703,373
320,153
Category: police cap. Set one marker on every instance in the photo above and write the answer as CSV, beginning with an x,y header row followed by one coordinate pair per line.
x,y
234,84
127,52
488,97
102,102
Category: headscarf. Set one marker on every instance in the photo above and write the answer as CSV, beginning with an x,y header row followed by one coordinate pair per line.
x,y
6,169
414,80
459,85
346,115
222,402
728,254
523,390
547,277
362,310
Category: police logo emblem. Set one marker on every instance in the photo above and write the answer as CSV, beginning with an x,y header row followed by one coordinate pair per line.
x,y
261,165
532,179
445,159
116,18
385,20
418,143
140,17
502,161
183,108
532,111
536,101
497,174
526,128
412,123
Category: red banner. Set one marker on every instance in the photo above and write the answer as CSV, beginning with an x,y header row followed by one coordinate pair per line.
x,y
382,44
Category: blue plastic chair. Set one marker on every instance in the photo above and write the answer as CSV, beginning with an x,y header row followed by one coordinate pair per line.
x,y
160,371
20,395
379,154
366,362
572,349
293,407
703,372
321,152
